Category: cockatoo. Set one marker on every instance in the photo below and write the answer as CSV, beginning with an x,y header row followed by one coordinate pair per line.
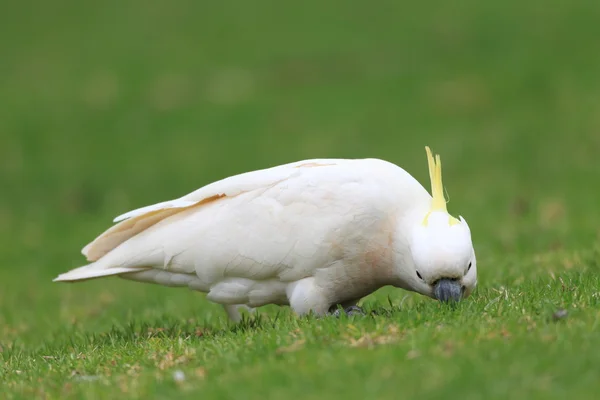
x,y
313,234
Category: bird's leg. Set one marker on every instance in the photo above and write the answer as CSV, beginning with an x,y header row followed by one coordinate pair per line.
x,y
349,307
306,296
234,311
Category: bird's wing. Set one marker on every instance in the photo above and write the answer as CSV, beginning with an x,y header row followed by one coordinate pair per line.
x,y
275,225
136,221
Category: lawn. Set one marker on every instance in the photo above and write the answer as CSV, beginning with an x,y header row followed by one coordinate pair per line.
x,y
110,106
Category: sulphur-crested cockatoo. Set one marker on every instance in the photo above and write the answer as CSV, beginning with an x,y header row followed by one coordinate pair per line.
x,y
312,234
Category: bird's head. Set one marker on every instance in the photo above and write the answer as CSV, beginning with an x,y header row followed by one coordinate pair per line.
x,y
441,248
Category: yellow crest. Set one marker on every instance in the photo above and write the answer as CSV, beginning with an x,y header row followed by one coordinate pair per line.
x,y
437,188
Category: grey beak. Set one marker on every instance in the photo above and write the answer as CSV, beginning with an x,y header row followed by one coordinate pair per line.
x,y
447,290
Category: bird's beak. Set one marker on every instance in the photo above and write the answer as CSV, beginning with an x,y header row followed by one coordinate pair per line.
x,y
447,290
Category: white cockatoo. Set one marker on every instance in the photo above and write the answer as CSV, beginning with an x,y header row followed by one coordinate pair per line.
x,y
312,234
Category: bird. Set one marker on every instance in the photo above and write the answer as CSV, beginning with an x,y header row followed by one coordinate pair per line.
x,y
316,235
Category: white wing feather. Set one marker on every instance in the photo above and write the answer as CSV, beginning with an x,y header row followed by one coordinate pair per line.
x,y
136,221
231,186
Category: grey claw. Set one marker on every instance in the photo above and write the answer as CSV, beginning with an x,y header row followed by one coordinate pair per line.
x,y
355,310
336,313
349,311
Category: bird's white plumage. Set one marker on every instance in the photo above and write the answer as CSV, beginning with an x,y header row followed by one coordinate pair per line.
x,y
310,234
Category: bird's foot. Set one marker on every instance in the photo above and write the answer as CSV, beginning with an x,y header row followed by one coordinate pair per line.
x,y
350,311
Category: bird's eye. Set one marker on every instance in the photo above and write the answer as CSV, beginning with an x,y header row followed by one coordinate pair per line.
x,y
419,275
469,267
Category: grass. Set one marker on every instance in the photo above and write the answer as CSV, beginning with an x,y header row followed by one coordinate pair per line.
x,y
110,106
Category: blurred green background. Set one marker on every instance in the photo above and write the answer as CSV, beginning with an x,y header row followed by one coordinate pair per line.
x,y
109,106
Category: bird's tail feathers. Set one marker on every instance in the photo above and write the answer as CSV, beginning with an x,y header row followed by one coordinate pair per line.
x,y
93,271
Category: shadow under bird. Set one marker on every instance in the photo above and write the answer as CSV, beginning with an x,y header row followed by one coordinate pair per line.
x,y
314,235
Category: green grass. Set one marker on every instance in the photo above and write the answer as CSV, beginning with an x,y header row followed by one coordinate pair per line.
x,y
109,106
